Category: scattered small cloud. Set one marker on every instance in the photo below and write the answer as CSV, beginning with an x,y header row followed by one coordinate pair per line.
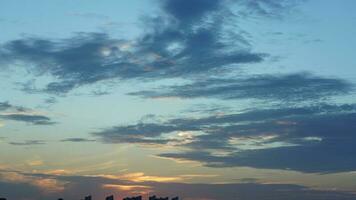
x,y
22,114
77,140
28,143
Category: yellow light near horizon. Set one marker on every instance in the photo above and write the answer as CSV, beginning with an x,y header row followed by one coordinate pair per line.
x,y
125,187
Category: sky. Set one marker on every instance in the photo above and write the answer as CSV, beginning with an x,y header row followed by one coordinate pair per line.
x,y
202,99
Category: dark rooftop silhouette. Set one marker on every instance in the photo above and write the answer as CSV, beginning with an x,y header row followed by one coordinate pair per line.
x,y
133,198
111,197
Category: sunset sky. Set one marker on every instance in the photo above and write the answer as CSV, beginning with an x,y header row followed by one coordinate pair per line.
x,y
202,99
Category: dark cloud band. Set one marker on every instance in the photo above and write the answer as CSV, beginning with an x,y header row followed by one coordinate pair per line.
x,y
286,88
302,139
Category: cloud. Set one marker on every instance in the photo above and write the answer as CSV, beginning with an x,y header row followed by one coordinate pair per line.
x,y
77,140
190,11
28,143
326,157
27,190
195,10
36,185
34,163
22,114
171,47
29,118
139,133
287,88
50,100
304,143
246,191
267,8
300,138
141,177
143,189
4,106
76,187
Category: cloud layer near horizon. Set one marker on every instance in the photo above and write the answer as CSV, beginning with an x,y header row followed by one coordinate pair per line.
x,y
302,139
46,186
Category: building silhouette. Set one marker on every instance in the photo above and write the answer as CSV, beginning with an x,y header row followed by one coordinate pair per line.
x,y
133,198
110,197
162,198
87,198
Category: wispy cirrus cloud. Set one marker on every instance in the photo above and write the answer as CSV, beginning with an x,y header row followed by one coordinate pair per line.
x,y
267,8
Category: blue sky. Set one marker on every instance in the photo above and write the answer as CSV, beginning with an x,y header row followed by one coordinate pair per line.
x,y
224,97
